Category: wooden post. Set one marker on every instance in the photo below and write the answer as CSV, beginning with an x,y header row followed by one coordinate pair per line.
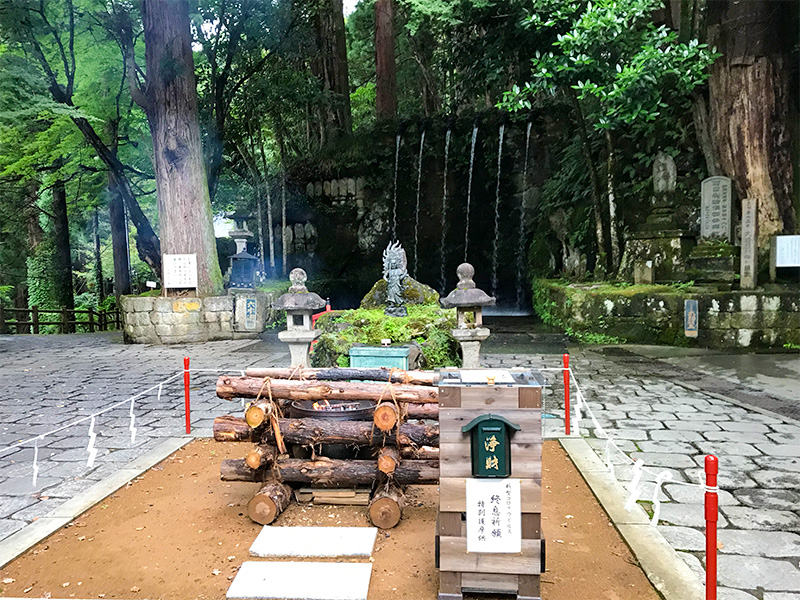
x,y
3,326
65,320
91,320
35,319
102,319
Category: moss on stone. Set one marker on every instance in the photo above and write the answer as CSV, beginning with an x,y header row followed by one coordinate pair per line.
x,y
427,325
414,293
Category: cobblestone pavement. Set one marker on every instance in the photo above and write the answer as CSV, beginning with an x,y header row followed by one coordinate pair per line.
x,y
658,416
670,418
49,381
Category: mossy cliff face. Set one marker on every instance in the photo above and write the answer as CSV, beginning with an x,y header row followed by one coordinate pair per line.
x,y
414,292
653,314
426,325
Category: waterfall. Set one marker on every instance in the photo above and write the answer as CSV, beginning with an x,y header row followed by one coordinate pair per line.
x,y
394,199
443,227
497,212
522,213
416,212
469,188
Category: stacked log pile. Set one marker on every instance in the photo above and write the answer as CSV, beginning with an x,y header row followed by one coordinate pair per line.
x,y
406,449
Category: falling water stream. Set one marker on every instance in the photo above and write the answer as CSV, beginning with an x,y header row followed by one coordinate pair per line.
x,y
394,199
497,212
469,189
443,233
522,214
416,212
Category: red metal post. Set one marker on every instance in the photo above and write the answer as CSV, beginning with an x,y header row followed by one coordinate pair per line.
x,y
566,393
186,392
712,512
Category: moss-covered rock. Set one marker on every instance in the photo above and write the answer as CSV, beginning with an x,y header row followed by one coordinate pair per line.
x,y
414,292
428,326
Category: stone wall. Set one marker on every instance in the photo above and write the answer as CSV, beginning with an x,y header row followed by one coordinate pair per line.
x,y
158,320
654,314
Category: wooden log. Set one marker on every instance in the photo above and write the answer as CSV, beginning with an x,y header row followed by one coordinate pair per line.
x,y
359,433
261,456
348,374
326,472
257,412
386,416
422,411
269,502
236,469
386,506
422,453
388,459
228,428
249,387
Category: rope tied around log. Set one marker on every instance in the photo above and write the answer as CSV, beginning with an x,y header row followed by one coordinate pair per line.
x,y
273,414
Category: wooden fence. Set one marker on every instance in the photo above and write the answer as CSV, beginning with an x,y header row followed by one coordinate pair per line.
x,y
67,320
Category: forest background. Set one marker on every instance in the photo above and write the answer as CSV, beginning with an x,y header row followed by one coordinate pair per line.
x,y
290,88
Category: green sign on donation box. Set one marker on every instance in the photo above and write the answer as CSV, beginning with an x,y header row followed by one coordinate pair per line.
x,y
491,448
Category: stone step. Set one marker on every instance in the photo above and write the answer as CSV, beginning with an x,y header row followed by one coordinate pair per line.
x,y
301,581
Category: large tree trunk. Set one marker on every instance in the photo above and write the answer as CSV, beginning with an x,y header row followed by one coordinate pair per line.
x,y
385,68
62,284
119,223
249,387
331,67
98,264
184,206
749,104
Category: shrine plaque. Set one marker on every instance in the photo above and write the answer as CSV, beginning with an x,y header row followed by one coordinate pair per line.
x,y
691,318
749,257
494,516
715,208
180,271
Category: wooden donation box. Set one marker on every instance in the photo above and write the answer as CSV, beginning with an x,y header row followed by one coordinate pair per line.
x,y
488,537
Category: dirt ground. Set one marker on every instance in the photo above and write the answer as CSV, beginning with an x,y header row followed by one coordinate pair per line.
x,y
178,532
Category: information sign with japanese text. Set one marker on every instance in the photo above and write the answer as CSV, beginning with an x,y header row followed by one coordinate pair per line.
x,y
787,250
494,516
180,271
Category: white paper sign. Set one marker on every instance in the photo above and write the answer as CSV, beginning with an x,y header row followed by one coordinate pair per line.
x,y
180,270
787,250
494,516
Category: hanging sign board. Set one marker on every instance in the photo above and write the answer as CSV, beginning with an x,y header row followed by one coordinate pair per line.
x,y
180,271
787,250
494,516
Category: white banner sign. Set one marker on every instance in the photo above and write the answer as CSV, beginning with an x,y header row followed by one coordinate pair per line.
x,y
494,516
787,250
180,271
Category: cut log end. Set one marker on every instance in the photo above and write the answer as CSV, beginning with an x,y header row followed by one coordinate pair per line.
x,y
385,416
386,508
269,502
261,456
388,459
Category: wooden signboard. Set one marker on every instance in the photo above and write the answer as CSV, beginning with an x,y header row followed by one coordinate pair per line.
x,y
489,530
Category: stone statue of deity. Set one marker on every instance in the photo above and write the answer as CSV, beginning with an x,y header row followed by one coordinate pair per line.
x,y
395,272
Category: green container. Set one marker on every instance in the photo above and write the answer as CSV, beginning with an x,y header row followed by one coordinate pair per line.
x,y
370,357
491,445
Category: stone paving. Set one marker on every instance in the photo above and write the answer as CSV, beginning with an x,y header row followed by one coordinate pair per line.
x,y
671,426
49,381
46,381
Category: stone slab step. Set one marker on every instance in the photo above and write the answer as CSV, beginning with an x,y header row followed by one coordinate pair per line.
x,y
301,581
314,541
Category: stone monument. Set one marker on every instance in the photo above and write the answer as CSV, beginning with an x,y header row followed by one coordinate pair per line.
x,y
748,275
395,272
715,259
468,300
299,305
664,238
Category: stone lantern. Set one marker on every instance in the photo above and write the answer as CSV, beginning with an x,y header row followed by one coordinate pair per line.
x,y
243,264
468,301
299,305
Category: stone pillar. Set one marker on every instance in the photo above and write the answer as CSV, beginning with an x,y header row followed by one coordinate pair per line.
x,y
470,341
749,256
